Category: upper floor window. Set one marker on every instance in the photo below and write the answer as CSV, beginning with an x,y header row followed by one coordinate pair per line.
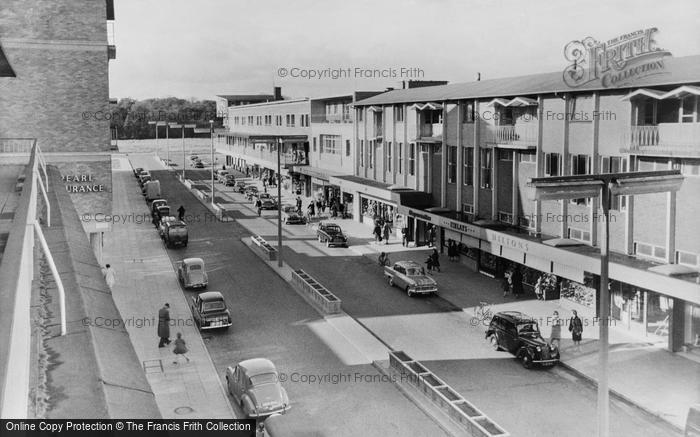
x,y
451,164
250,120
552,164
330,144
258,120
347,148
360,115
412,159
468,111
388,156
362,153
290,120
399,158
468,165
398,113
304,120
432,116
615,164
370,158
580,165
486,168
278,120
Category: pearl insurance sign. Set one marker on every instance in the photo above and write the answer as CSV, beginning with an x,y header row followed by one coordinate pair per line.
x,y
81,183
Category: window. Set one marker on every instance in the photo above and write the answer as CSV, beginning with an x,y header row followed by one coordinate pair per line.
x,y
580,235
451,164
432,116
360,114
649,250
687,258
527,221
505,155
468,165
468,109
362,153
580,165
399,163
412,159
347,147
398,113
468,208
304,120
486,166
268,120
388,156
330,144
688,114
290,120
552,164
250,120
615,164
314,144
505,217
258,120
278,120
690,167
370,158
530,157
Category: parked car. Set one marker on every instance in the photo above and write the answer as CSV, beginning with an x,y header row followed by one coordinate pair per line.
x,y
162,224
291,216
144,177
411,277
267,201
194,157
209,310
199,164
240,187
151,190
251,191
156,203
175,234
230,180
221,175
331,234
160,211
137,171
519,334
692,421
255,386
191,273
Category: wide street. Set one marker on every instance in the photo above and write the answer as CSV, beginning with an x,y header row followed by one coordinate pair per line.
x,y
272,321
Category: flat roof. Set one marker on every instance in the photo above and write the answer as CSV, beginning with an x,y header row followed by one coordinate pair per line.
x,y
276,102
246,96
680,70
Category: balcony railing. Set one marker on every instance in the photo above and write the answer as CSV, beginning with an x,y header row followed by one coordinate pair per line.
x,y
16,145
288,158
331,118
431,130
665,138
524,134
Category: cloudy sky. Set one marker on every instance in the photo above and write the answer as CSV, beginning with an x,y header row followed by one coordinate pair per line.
x,y
200,49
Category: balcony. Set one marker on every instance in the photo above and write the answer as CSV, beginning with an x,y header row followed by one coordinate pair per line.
x,y
522,135
431,131
375,131
331,118
664,139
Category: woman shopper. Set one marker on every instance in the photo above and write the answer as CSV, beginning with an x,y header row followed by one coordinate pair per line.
x,y
435,256
180,349
576,329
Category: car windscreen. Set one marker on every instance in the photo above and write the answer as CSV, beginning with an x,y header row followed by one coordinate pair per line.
x,y
528,329
415,271
195,267
178,231
264,378
333,229
215,305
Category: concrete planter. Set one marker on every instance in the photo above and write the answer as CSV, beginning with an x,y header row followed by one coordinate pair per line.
x,y
268,251
326,301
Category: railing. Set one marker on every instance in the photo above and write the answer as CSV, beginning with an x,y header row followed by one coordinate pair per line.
x,y
518,134
17,145
287,158
670,136
331,118
431,130
16,276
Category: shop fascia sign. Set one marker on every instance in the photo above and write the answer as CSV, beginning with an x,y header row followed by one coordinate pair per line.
x,y
81,183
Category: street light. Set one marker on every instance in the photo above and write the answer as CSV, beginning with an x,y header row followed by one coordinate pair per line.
x,y
156,124
279,202
605,186
211,135
183,127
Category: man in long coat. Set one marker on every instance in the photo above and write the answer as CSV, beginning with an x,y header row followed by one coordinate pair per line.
x,y
164,325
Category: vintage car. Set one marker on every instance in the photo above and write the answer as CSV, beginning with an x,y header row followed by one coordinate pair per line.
x,y
137,171
255,386
144,177
162,224
199,164
156,203
191,273
175,233
251,191
194,158
267,201
331,234
220,175
240,187
519,334
210,311
291,216
410,277
160,211
230,180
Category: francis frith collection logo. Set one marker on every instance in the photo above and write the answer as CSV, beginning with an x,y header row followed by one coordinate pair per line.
x,y
616,62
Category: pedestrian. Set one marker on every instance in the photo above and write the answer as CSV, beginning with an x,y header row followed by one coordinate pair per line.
x,y
299,205
377,233
555,336
436,260
506,283
383,259
341,210
387,232
164,325
180,348
334,210
319,210
516,279
310,210
450,250
429,264
431,235
576,329
181,213
109,275
404,236
258,206
539,288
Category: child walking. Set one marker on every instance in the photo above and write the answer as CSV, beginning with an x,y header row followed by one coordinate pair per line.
x,y
180,349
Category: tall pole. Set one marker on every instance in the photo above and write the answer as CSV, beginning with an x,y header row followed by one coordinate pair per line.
x,y
157,150
603,318
279,203
167,143
211,134
183,152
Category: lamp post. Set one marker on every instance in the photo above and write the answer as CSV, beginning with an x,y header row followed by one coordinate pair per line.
x,y
167,144
605,186
280,143
211,135
156,124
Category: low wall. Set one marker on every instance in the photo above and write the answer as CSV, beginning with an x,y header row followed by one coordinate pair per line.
x,y
475,422
264,247
324,299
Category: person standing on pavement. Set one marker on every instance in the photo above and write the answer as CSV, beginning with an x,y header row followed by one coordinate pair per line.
x,y
516,279
435,257
431,236
258,206
181,213
310,210
404,236
164,325
110,276
555,336
299,205
383,259
576,329
387,232
506,283
180,349
377,233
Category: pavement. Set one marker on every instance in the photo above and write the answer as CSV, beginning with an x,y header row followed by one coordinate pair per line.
x,y
641,372
145,280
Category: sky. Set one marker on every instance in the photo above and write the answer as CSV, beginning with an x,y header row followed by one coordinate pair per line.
x,y
200,49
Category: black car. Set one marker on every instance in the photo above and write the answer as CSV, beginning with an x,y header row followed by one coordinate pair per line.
x,y
230,180
519,334
175,234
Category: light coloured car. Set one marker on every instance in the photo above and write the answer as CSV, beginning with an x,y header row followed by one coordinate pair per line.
x,y
291,216
162,224
191,273
410,277
256,388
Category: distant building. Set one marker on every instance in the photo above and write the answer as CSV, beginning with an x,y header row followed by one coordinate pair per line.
x,y
224,101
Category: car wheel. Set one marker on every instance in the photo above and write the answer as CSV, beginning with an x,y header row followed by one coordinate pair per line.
x,y
320,240
527,361
409,292
391,281
328,243
494,342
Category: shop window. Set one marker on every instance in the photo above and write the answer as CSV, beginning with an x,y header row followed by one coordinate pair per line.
x,y
690,167
388,156
505,155
658,314
687,258
468,111
486,168
468,165
412,159
451,164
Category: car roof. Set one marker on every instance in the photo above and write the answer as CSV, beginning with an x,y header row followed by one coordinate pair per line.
x,y
176,223
515,316
193,261
407,264
211,296
257,366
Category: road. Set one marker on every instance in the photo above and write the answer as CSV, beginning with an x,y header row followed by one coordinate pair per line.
x,y
329,397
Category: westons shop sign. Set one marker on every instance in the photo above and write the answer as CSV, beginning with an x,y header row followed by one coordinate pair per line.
x,y
616,62
81,183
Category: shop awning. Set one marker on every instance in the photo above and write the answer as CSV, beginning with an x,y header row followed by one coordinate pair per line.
x,y
424,106
685,90
562,242
518,101
673,270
